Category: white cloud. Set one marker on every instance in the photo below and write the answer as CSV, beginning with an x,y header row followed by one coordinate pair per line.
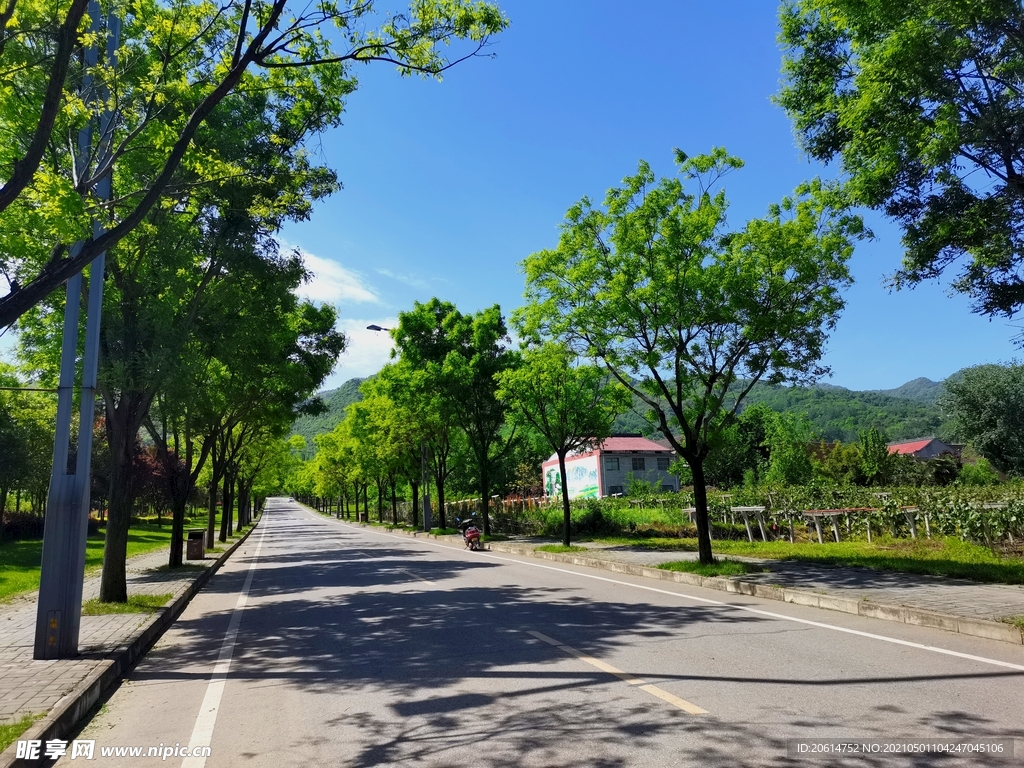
x,y
367,351
333,283
411,280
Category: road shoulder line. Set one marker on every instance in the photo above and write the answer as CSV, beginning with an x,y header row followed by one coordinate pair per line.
x,y
76,705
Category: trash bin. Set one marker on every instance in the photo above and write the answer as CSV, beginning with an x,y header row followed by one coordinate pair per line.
x,y
195,550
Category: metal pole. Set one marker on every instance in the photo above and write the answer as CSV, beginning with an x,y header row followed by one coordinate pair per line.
x,y
59,608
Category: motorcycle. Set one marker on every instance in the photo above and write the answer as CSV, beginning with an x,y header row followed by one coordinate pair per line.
x,y
471,534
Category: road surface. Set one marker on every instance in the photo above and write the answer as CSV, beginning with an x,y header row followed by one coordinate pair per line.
x,y
325,644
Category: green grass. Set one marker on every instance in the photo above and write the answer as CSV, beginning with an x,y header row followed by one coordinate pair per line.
x,y
718,568
948,557
10,732
19,560
135,604
1017,621
557,548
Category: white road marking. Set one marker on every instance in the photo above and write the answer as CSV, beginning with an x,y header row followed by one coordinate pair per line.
x,y
735,606
202,733
418,578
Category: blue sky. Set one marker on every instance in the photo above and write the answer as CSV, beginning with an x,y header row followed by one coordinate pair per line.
x,y
448,186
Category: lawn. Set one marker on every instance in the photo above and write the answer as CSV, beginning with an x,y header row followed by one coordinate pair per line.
x,y
559,548
19,560
937,556
9,732
135,604
718,568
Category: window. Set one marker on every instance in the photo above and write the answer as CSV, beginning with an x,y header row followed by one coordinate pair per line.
x,y
611,462
663,464
616,490
638,464
668,489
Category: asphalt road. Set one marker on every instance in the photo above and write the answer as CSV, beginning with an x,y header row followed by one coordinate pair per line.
x,y
325,644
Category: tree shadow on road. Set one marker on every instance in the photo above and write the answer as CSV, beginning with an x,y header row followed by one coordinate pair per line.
x,y
424,658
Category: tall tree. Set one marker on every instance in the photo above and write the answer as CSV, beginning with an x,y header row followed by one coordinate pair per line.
x,y
685,314
923,104
985,405
480,351
178,62
572,407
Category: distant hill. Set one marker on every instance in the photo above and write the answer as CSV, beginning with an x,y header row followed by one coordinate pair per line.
x,y
921,389
336,400
837,413
841,414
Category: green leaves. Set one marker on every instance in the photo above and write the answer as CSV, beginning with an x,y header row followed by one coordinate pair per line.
x,y
571,406
986,407
655,287
921,103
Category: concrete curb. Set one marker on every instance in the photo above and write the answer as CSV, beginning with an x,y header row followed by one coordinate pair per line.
x,y
72,707
990,630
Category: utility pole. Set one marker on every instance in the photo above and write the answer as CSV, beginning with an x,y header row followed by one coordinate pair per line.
x,y
59,609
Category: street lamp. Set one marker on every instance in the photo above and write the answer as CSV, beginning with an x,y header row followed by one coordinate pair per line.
x,y
376,328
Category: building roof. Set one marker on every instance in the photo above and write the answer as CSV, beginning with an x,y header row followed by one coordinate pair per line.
x,y
911,447
633,444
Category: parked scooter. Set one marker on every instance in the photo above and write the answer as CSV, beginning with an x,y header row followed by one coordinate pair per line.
x,y
471,534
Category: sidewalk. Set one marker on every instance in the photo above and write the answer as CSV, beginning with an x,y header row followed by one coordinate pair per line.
x,y
950,604
953,605
106,643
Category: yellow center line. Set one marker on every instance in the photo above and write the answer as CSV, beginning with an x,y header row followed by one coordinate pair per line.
x,y
654,690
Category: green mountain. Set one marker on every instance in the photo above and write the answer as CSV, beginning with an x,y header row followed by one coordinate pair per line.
x,y
921,389
841,414
336,401
837,413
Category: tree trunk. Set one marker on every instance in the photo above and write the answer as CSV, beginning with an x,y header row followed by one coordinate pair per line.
x,y
440,502
113,581
178,506
700,503
394,504
380,501
485,499
243,501
415,503
3,508
211,518
566,508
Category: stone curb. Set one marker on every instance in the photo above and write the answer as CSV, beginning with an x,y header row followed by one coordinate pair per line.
x,y
74,706
990,630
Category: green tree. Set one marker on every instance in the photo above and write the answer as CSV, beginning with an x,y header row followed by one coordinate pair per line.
x,y
985,405
424,339
480,353
922,102
571,406
788,437
875,459
685,314
178,62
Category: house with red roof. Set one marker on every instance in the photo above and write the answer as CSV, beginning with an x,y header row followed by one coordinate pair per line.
x,y
608,469
925,448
